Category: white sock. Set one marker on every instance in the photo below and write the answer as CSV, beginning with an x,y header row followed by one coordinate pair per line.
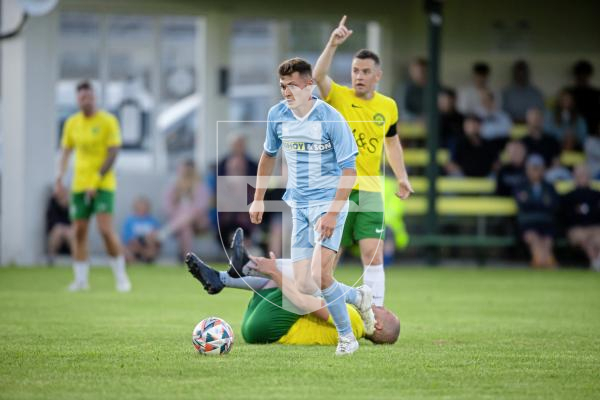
x,y
81,271
349,336
117,264
375,279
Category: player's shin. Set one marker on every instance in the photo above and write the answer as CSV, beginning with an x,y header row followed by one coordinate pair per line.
x,y
336,304
117,265
80,273
351,295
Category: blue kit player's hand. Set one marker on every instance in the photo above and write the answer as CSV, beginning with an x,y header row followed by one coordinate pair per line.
x,y
257,209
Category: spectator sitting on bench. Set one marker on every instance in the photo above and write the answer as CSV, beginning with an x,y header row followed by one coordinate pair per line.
x,y
237,149
495,123
473,156
236,188
565,123
540,142
412,96
580,211
451,121
512,174
59,232
469,97
187,203
592,153
538,203
587,97
521,95
139,233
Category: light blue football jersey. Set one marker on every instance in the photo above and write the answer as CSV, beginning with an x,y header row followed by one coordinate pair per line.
x,y
317,147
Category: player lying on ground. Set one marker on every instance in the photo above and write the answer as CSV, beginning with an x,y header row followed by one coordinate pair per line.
x,y
267,321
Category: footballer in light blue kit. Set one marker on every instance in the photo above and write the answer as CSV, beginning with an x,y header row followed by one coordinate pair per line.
x,y
321,156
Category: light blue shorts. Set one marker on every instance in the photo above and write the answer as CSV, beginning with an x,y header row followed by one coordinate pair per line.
x,y
304,237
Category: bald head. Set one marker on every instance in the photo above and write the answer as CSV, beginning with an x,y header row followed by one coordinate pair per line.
x,y
387,327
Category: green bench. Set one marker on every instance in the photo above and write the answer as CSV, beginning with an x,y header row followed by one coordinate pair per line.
x,y
414,157
481,208
477,186
416,131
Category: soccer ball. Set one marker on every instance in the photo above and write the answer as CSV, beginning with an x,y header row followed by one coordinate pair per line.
x,y
212,336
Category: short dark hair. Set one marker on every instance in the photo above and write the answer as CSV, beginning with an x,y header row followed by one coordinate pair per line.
x,y
421,62
583,68
521,65
481,68
365,54
84,85
296,64
473,117
448,91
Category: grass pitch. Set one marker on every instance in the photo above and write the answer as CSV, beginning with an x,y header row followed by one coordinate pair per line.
x,y
466,334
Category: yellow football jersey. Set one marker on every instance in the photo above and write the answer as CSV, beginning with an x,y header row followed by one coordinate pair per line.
x,y
91,138
369,120
313,330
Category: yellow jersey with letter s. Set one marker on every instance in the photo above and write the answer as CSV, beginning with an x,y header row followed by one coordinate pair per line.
x,y
370,121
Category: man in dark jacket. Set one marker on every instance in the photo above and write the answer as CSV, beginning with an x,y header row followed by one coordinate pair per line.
x,y
512,174
473,155
538,203
580,211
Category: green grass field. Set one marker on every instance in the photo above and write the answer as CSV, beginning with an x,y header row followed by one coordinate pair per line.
x,y
466,334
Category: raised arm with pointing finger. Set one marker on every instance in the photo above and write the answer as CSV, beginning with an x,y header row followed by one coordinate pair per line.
x,y
372,118
321,71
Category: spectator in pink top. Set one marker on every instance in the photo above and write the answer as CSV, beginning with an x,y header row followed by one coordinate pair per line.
x,y
187,204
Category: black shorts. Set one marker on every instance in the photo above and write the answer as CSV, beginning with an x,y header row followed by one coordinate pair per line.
x,y
542,229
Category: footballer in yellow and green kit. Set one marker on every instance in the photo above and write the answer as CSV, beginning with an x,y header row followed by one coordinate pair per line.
x,y
371,121
267,321
91,138
273,317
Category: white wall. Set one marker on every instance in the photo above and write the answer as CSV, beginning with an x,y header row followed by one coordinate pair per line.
x,y
28,121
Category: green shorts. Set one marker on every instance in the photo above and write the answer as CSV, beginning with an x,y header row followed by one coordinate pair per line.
x,y
365,218
265,321
83,208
